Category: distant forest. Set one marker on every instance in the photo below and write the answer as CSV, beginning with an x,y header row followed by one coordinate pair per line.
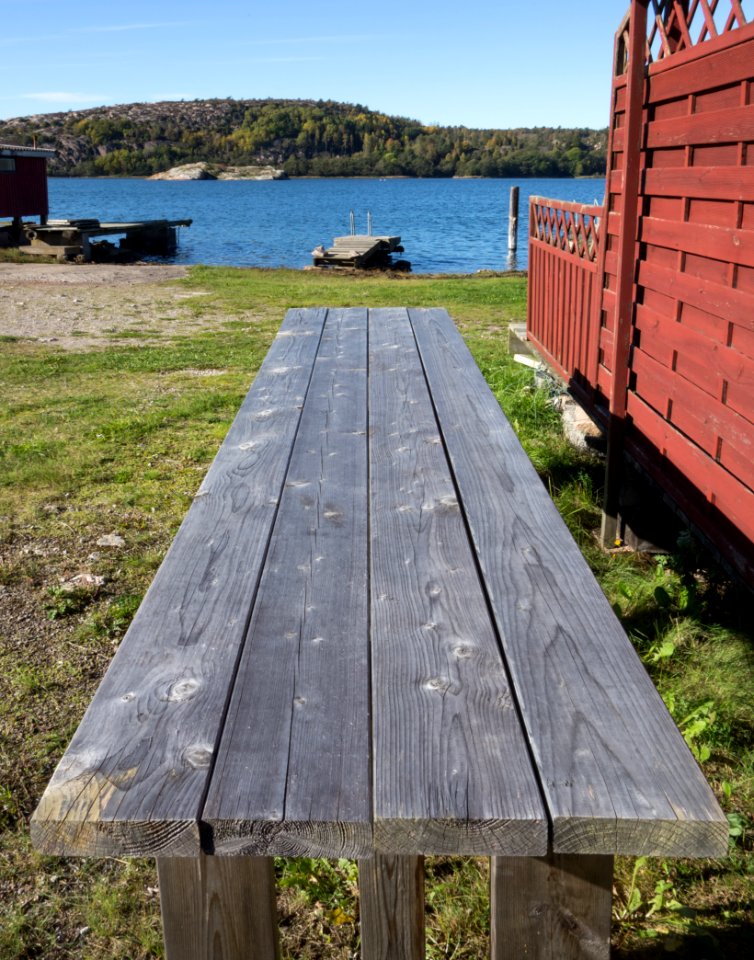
x,y
303,138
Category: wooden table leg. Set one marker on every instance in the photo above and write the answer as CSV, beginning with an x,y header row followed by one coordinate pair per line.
x,y
392,907
218,908
550,908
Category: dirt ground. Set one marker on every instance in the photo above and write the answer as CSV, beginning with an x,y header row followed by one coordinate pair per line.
x,y
90,305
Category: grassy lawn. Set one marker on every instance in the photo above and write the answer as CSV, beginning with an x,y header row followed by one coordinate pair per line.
x,y
101,451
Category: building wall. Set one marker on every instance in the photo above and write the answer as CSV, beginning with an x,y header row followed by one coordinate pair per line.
x,y
23,191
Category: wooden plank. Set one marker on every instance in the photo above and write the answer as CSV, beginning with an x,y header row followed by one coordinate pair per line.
x,y
292,771
626,251
569,256
715,126
156,716
702,359
703,419
604,380
682,350
550,908
718,243
218,909
391,907
548,357
451,768
712,64
732,534
733,499
732,305
616,773
707,183
360,245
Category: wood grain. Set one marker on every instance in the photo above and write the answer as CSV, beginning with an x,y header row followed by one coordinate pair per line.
x,y
451,768
722,433
133,778
718,485
550,908
292,774
719,67
703,240
707,183
391,907
718,126
732,305
218,909
617,775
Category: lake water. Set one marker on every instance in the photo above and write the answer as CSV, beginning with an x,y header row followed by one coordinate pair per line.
x,y
445,225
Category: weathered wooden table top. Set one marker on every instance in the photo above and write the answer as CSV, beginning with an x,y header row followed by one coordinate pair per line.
x,y
373,632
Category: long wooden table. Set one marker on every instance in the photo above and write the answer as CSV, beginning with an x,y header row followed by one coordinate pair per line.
x,y
373,637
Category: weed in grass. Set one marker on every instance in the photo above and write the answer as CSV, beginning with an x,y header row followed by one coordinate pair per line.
x,y
457,901
26,680
22,569
332,884
63,601
111,621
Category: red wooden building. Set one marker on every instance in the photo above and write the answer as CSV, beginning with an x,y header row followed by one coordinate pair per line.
x,y
23,182
646,304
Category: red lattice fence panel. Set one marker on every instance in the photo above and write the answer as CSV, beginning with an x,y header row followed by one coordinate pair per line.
x,y
674,325
564,243
691,394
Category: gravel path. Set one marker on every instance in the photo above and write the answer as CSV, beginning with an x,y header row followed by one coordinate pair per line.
x,y
80,306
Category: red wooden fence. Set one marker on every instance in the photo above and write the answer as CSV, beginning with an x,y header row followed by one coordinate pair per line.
x,y
564,288
675,254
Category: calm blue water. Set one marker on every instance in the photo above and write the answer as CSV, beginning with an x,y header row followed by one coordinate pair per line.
x,y
446,225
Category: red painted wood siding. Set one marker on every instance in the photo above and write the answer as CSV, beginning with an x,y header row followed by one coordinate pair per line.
x,y
564,288
690,400
23,192
690,396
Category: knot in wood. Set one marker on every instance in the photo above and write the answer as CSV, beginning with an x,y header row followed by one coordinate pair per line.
x,y
183,689
505,700
198,756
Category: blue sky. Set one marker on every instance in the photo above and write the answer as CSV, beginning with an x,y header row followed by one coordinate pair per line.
x,y
473,62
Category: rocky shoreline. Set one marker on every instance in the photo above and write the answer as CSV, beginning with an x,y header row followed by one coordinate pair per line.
x,y
212,171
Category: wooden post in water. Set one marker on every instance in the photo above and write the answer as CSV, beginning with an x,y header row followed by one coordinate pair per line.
x,y
513,221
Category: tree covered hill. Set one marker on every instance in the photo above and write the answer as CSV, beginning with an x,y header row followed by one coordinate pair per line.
x,y
303,137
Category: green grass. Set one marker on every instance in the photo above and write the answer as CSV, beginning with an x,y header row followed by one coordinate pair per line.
x,y
117,440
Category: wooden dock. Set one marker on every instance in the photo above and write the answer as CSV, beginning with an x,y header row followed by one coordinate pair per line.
x,y
73,239
362,251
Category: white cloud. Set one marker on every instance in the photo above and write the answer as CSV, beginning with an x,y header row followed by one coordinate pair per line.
x,y
73,31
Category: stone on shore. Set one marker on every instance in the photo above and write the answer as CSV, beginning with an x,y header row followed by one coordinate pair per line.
x,y
210,171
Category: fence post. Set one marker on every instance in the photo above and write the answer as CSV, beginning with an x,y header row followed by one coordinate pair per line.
x,y
626,251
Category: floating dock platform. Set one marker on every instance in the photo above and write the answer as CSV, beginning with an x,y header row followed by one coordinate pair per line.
x,y
364,252
78,239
